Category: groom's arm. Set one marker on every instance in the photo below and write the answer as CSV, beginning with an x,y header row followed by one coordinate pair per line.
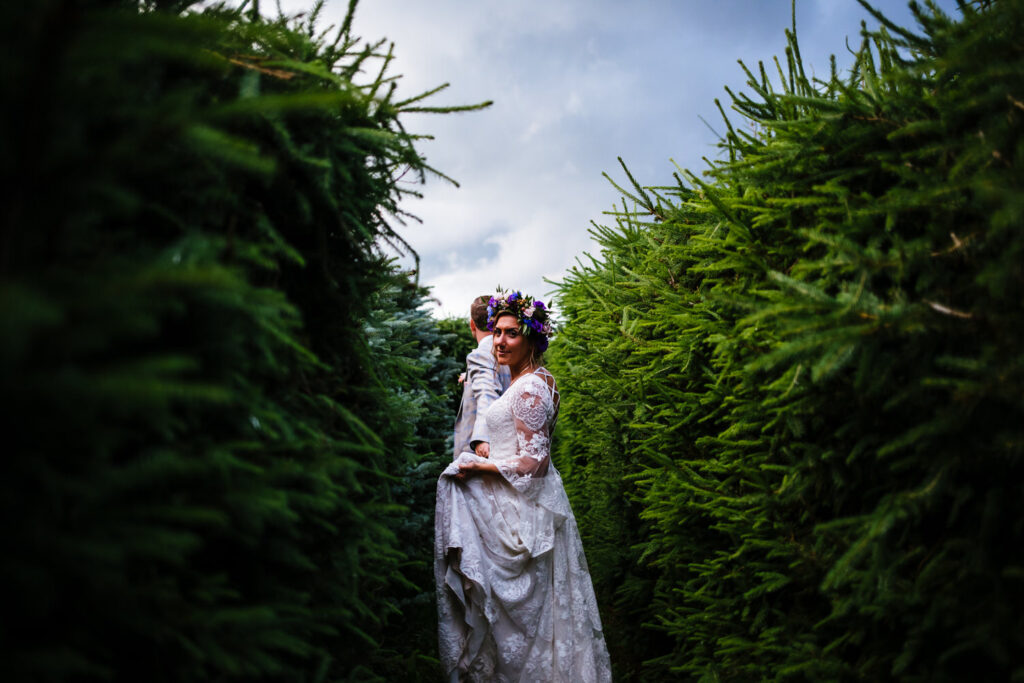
x,y
482,379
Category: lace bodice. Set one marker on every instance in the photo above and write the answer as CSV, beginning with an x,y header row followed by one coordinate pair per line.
x,y
520,423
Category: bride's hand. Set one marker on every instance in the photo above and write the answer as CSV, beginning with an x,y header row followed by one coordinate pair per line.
x,y
458,468
465,469
467,464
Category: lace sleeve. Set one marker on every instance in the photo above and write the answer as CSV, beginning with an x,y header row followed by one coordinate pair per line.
x,y
531,410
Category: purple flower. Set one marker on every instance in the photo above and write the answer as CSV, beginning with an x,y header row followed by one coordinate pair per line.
x,y
539,304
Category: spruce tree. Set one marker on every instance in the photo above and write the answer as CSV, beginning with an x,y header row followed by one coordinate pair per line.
x,y
203,479
802,371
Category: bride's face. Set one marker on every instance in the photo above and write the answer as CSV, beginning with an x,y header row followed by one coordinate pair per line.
x,y
510,347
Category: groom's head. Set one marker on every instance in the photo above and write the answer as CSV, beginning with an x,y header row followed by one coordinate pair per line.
x,y
478,313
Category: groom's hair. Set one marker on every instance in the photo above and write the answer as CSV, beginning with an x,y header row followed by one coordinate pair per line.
x,y
478,311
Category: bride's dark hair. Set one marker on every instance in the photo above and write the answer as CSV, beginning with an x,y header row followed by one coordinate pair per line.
x,y
536,355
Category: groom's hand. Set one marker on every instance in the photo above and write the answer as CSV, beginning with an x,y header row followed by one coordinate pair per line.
x,y
483,449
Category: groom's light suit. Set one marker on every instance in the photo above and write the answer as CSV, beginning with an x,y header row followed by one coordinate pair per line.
x,y
485,381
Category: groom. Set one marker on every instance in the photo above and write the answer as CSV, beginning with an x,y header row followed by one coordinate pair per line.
x,y
485,381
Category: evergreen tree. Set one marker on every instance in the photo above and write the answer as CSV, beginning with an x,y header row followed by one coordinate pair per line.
x,y
202,480
461,343
414,363
802,371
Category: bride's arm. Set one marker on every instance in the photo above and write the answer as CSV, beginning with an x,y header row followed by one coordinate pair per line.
x,y
475,467
468,463
530,408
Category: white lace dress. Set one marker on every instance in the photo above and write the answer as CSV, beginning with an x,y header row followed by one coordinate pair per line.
x,y
515,600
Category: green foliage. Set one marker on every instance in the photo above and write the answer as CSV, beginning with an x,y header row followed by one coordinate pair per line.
x,y
792,411
462,342
414,360
204,478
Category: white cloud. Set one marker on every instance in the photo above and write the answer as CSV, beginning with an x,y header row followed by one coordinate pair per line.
x,y
575,83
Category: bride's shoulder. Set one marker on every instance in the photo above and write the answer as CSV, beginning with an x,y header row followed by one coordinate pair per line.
x,y
544,375
538,379
531,381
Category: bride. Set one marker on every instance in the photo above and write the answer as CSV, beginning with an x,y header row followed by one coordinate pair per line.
x,y
515,601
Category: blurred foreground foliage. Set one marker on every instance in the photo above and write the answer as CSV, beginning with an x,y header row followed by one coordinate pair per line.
x,y
792,418
218,389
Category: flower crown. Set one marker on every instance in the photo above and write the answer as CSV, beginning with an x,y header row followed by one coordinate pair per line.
x,y
531,313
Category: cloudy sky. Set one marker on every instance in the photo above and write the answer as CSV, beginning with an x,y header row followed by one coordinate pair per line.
x,y
575,84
